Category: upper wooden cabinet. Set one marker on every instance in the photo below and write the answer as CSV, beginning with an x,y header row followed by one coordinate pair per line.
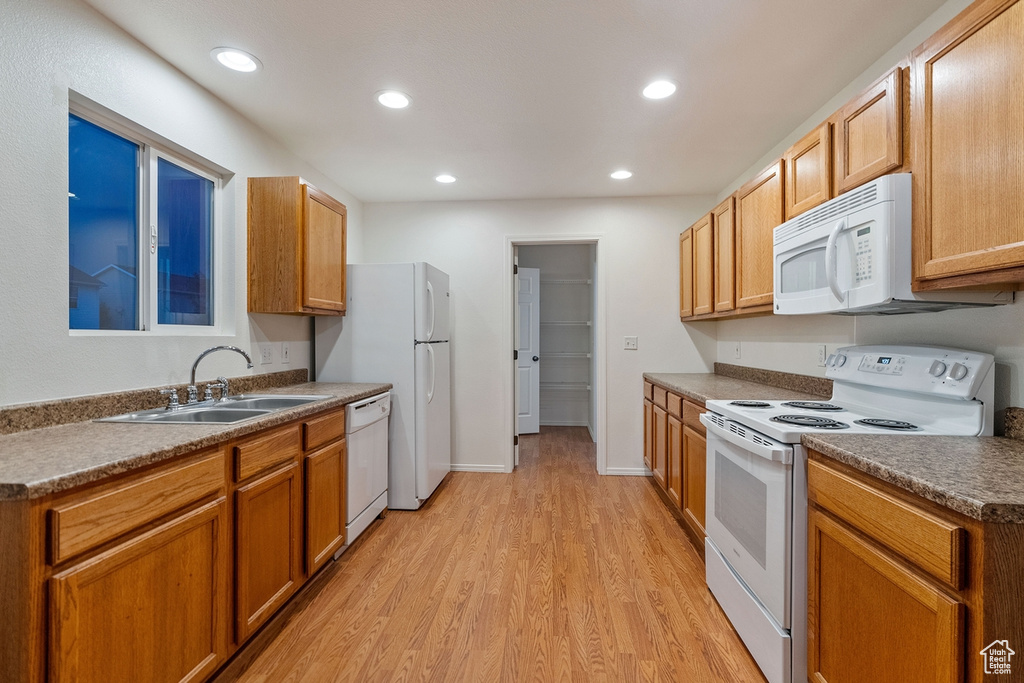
x,y
296,248
869,133
686,274
967,123
759,209
703,267
809,171
723,220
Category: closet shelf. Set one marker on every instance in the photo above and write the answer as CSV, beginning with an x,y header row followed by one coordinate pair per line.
x,y
565,386
565,322
567,354
566,282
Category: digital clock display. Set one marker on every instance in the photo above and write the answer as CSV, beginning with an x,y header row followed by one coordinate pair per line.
x,y
884,360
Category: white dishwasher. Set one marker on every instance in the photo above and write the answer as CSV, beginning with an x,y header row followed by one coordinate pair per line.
x,y
366,433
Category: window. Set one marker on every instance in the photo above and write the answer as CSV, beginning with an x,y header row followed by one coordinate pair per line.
x,y
141,229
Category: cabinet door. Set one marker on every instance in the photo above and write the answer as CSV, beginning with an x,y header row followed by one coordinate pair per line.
x,y
674,477
723,219
649,435
325,504
869,133
151,609
968,143
809,171
871,618
694,478
703,267
267,546
323,283
660,454
759,209
686,274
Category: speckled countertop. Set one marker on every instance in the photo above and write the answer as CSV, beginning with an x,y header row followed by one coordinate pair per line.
x,y
981,477
707,386
38,462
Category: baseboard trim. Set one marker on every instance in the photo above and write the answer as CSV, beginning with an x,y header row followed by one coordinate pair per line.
x,y
627,471
478,468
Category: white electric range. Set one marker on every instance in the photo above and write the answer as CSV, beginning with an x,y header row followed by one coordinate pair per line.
x,y
756,549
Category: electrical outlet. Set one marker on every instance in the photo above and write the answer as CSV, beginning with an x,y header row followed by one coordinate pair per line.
x,y
284,352
266,354
822,355
630,344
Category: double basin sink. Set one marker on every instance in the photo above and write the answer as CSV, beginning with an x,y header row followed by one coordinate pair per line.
x,y
227,411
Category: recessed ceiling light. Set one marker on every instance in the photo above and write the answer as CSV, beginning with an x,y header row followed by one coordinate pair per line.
x,y
236,59
622,175
659,90
445,178
392,99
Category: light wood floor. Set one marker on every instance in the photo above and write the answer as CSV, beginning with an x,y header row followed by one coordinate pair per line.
x,y
548,574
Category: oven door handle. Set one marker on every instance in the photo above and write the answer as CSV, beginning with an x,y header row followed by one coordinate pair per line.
x,y
831,261
769,450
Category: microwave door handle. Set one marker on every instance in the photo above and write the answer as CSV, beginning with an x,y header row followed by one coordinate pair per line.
x,y
831,261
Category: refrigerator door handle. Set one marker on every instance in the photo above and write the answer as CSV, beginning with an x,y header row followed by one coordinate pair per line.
x,y
433,370
430,330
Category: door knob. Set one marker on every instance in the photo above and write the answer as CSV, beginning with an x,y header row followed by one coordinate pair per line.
x,y
536,358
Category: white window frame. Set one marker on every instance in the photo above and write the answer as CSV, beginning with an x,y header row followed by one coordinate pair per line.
x,y
151,149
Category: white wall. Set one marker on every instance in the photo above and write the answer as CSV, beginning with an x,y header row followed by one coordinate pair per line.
x,y
790,342
640,257
48,47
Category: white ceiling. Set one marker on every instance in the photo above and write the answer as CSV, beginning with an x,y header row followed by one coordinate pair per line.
x,y
527,98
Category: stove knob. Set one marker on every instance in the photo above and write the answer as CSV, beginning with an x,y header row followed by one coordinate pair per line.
x,y
958,371
937,368
840,360
831,360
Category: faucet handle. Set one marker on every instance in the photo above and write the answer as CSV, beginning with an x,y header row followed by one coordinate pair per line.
x,y
193,394
172,402
221,384
224,392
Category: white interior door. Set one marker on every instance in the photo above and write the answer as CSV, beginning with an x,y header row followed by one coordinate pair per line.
x,y
528,345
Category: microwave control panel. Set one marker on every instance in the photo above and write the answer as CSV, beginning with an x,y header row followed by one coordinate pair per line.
x,y
864,252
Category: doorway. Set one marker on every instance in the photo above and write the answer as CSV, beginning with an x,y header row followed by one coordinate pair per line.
x,y
565,356
572,380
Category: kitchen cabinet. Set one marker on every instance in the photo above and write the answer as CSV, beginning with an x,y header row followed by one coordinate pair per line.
x,y
723,220
686,274
660,454
869,133
967,128
674,454
153,608
649,426
268,546
297,242
325,502
694,449
703,266
808,173
901,588
759,209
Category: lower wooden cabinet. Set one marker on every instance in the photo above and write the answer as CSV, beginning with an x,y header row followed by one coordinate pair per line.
x,y
268,546
674,479
154,608
660,454
325,504
872,618
649,435
694,479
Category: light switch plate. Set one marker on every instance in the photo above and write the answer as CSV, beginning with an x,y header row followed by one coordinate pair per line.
x,y
284,352
631,344
822,355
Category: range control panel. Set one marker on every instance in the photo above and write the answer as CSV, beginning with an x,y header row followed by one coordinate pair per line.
x,y
924,369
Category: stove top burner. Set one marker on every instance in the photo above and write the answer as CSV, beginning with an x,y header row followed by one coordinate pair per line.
x,y
812,405
810,421
887,424
751,404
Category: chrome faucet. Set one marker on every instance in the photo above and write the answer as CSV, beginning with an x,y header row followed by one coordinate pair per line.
x,y
193,392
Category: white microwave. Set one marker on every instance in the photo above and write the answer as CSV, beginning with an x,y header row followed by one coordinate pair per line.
x,y
852,255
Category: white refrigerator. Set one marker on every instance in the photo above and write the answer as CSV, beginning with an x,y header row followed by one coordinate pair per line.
x,y
396,330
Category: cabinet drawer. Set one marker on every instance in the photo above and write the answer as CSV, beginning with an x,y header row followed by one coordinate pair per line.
x,y
661,397
648,391
322,430
930,542
691,416
95,517
675,405
266,450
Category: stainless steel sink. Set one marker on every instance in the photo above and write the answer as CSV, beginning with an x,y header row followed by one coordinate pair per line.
x,y
230,410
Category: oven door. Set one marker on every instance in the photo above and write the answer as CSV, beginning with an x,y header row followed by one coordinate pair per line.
x,y
750,510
